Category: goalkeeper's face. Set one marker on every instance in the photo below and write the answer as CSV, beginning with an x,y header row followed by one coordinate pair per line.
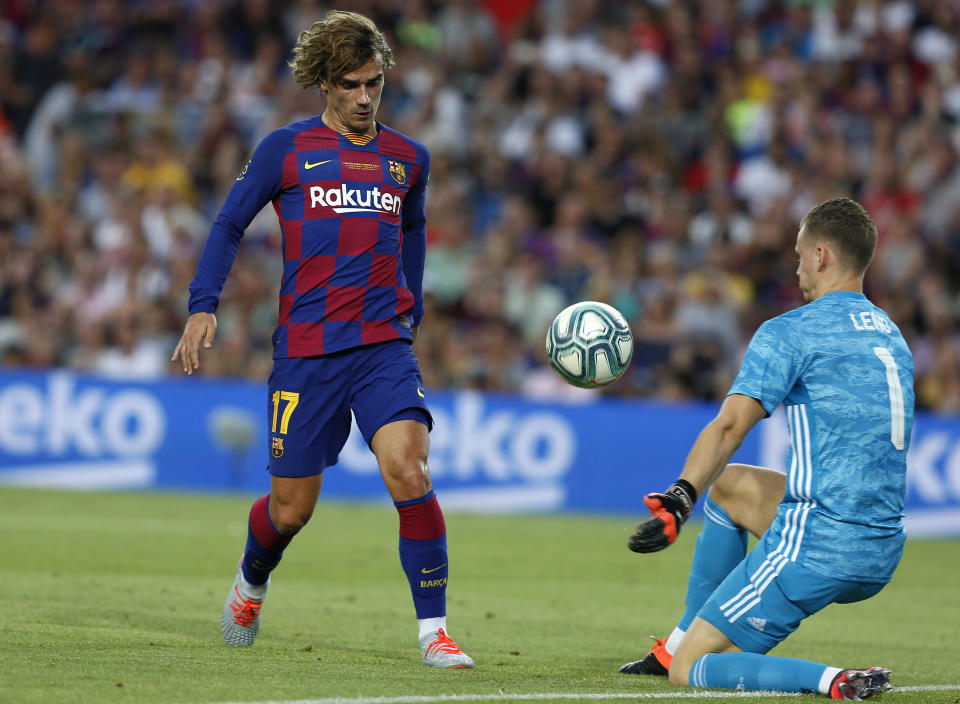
x,y
353,99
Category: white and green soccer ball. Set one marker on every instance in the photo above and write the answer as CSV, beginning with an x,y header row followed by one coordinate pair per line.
x,y
589,344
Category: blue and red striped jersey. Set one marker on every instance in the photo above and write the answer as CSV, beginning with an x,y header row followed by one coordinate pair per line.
x,y
352,213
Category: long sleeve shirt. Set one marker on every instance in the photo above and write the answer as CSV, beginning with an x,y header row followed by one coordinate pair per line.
x,y
352,213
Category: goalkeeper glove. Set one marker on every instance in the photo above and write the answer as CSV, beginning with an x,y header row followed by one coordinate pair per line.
x,y
670,509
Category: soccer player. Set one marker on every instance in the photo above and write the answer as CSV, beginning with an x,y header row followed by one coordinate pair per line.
x,y
831,529
350,194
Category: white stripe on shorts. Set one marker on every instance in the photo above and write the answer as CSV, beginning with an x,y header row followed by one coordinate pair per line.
x,y
799,483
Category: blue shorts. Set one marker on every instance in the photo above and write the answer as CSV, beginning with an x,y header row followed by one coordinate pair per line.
x,y
310,398
765,597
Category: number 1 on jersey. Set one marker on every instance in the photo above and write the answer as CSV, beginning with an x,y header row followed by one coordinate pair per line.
x,y
292,398
896,396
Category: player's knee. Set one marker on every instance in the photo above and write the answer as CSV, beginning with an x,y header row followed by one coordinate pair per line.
x,y
291,517
410,479
404,469
721,493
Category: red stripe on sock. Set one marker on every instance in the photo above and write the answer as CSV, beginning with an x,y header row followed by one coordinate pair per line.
x,y
263,529
422,521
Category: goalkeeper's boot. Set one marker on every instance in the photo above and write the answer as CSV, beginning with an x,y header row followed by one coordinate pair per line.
x,y
439,650
656,662
856,685
241,613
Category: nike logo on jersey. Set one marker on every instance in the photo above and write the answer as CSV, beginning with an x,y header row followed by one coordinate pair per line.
x,y
420,393
424,570
308,165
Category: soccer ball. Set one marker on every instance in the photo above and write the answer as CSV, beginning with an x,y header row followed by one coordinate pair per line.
x,y
589,344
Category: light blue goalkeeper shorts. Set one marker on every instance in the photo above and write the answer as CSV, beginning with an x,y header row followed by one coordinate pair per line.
x,y
766,596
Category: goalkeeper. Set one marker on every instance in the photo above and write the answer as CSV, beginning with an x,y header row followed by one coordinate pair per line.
x,y
831,529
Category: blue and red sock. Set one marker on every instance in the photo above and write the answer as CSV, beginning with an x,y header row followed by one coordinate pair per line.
x,y
264,544
423,553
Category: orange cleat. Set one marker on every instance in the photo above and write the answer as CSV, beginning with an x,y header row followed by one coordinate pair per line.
x,y
656,662
442,652
240,621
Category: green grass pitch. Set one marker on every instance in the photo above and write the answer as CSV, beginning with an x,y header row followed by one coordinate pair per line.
x,y
116,597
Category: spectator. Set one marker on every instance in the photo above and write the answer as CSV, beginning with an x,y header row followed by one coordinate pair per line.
x,y
655,155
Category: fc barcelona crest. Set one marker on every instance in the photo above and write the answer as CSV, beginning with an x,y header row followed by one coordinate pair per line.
x,y
398,170
276,448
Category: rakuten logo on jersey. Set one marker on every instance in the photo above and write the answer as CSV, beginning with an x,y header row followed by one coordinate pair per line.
x,y
343,199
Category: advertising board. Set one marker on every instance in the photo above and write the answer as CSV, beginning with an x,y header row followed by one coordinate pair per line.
x,y
489,452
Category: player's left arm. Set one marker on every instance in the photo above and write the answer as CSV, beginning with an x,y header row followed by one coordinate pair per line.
x,y
414,248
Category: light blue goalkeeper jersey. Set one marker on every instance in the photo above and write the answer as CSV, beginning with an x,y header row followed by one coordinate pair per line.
x,y
844,374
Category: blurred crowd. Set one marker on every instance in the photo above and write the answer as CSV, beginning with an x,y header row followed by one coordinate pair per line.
x,y
653,154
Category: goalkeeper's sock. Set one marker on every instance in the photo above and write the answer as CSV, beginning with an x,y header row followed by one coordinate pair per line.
x,y
265,545
752,671
673,640
423,554
720,547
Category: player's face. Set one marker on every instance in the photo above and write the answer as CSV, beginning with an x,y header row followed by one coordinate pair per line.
x,y
806,250
353,99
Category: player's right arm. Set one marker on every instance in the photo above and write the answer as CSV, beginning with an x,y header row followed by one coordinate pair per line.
x,y
201,328
707,459
719,439
769,369
257,185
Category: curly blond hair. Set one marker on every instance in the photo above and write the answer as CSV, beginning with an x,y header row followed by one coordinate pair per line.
x,y
336,45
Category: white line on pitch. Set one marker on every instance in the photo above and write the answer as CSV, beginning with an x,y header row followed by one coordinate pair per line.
x,y
413,699
527,697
